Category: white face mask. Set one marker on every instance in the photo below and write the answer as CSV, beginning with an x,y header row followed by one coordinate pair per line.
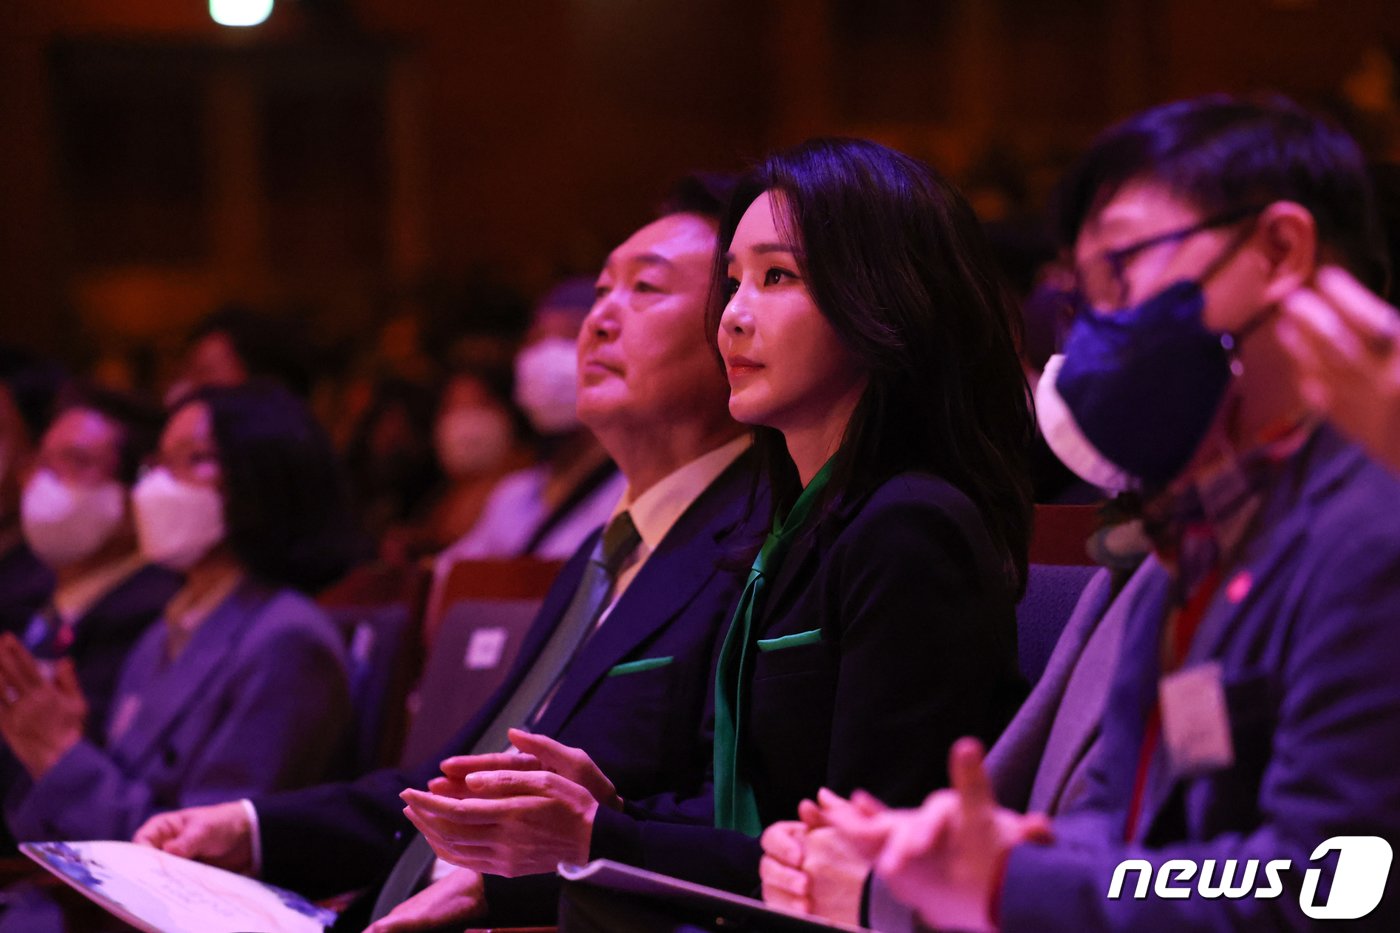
x,y
64,524
546,385
472,440
176,523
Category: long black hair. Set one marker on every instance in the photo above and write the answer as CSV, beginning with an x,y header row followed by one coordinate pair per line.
x,y
286,505
896,261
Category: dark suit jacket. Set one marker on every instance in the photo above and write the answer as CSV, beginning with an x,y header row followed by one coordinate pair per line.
x,y
257,700
639,727
1305,628
908,641
25,586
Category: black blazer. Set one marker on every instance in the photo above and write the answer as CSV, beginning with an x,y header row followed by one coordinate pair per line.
x,y
640,726
888,632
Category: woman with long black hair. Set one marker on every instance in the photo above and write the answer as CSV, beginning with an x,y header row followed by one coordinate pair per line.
x,y
868,339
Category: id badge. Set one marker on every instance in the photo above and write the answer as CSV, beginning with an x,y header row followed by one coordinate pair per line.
x,y
1195,720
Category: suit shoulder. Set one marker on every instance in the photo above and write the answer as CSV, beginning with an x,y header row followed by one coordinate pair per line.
x,y
289,615
912,498
1357,505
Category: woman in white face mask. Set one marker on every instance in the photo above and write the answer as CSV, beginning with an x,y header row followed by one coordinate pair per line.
x,y
242,688
477,440
546,510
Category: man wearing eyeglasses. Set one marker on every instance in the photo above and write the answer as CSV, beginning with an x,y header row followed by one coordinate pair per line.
x,y
74,516
1254,716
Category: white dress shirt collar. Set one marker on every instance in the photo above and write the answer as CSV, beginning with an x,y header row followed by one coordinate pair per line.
x,y
661,506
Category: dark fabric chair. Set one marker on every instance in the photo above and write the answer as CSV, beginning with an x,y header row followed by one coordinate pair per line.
x,y
474,648
381,651
1051,594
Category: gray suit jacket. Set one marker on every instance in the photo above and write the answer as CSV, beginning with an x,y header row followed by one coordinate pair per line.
x,y
1304,630
1040,763
257,701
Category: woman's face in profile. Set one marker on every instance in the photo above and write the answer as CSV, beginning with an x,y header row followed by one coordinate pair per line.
x,y
787,368
187,447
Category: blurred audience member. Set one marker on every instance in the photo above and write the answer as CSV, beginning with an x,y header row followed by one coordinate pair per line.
x,y
547,510
390,456
243,686
1345,342
76,518
477,440
235,344
399,349
28,389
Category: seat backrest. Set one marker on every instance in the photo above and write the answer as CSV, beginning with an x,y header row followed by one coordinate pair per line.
x,y
382,658
476,643
376,584
513,578
378,609
1060,535
1052,591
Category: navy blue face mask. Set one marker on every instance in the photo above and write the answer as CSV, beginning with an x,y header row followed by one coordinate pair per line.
x,y
1136,390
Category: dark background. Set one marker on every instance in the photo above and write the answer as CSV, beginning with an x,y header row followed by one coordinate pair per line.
x,y
349,156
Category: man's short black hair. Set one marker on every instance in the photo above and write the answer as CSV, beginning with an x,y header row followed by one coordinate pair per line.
x,y
1222,152
703,193
138,421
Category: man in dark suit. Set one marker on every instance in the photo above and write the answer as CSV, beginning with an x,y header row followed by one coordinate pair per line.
x,y
76,519
636,692
1250,734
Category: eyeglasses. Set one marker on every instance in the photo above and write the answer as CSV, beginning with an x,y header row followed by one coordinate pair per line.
x,y
1101,281
182,463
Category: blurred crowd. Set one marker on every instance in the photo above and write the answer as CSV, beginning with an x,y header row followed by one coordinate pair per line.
x,y
162,548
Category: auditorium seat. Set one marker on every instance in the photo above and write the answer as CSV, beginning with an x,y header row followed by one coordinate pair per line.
x,y
487,607
1052,590
378,610
1060,568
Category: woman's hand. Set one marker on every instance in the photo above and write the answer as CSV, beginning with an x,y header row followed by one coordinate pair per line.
x,y
41,716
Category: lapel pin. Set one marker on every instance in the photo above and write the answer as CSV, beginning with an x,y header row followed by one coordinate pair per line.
x,y
1239,586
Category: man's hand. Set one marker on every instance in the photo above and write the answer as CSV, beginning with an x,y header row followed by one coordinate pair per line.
x,y
220,835
516,822
1345,343
456,899
863,822
535,753
945,858
41,717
